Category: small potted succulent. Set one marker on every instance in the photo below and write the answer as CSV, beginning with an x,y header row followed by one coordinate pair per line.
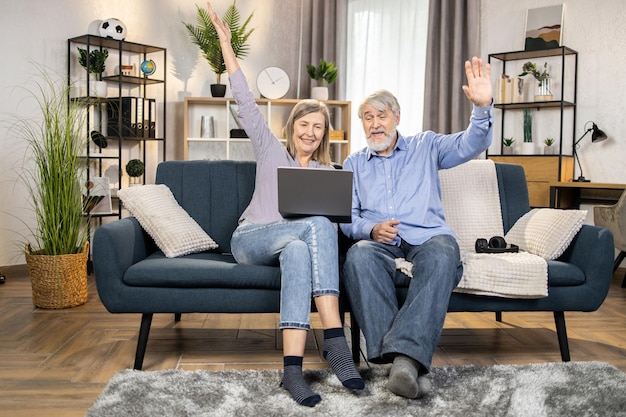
x,y
507,148
549,149
97,64
324,73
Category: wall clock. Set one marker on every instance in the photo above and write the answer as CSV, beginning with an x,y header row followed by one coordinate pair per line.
x,y
273,83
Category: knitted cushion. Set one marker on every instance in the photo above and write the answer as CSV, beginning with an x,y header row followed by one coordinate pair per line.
x,y
175,232
546,232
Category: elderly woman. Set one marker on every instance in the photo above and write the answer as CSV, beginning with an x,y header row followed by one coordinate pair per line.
x,y
305,248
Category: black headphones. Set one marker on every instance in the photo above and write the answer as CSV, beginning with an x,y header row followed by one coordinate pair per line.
x,y
496,244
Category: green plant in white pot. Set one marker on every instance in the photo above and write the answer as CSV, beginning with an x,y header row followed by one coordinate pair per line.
x,y
57,252
324,73
549,148
507,146
96,65
205,36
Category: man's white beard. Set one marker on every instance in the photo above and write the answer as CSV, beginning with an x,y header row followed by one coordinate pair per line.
x,y
381,146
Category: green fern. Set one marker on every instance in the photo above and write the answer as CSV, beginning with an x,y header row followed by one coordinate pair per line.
x,y
205,36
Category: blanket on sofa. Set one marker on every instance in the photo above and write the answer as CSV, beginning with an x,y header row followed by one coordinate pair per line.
x,y
471,202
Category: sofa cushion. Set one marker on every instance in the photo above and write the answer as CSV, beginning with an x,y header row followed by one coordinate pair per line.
x,y
214,193
171,227
201,270
546,232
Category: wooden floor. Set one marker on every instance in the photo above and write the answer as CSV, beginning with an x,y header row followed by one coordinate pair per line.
x,y
56,362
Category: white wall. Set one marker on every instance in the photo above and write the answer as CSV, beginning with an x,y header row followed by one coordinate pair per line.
x,y
595,29
37,31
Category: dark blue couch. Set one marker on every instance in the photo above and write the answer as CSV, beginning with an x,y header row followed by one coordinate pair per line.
x,y
133,276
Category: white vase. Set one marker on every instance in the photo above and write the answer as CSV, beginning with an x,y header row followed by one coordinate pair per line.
x,y
319,93
97,88
528,148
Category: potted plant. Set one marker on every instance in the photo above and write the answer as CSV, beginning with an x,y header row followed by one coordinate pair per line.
x,y
507,146
542,90
95,63
57,251
135,169
323,72
549,149
205,36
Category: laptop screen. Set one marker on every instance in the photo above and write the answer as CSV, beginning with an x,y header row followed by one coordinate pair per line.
x,y
305,192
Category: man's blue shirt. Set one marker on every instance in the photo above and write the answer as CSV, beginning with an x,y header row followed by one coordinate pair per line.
x,y
405,185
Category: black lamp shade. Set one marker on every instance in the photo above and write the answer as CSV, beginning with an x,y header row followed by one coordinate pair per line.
x,y
597,135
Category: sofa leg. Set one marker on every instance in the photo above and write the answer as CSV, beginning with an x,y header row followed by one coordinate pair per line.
x,y
561,332
142,341
499,316
177,317
617,263
355,334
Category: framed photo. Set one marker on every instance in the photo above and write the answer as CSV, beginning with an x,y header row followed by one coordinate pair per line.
x,y
97,196
544,28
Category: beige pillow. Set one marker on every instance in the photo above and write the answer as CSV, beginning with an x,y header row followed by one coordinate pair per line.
x,y
171,227
546,232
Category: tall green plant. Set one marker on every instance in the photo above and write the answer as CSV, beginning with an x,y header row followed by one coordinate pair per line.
x,y
55,139
205,36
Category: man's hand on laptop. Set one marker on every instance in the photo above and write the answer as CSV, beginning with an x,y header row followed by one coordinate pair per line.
x,y
385,231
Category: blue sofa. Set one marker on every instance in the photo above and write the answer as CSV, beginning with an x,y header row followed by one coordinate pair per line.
x,y
133,275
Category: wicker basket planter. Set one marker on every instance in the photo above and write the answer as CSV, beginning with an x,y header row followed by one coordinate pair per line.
x,y
58,281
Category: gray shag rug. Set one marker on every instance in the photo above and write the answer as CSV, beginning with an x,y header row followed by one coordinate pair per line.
x,y
550,390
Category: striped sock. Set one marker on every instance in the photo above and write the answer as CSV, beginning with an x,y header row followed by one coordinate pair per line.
x,y
338,355
293,381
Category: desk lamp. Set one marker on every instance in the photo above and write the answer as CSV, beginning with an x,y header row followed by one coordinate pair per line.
x,y
597,136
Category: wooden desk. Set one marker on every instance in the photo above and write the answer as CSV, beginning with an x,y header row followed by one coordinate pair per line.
x,y
572,194
540,171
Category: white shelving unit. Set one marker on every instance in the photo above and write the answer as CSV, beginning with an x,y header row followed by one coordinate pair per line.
x,y
276,112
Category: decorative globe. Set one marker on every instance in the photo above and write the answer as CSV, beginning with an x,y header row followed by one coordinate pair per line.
x,y
113,28
148,67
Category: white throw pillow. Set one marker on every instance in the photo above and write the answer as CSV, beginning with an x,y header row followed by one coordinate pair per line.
x,y
546,232
171,227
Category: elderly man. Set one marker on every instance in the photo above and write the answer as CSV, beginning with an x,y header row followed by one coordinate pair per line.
x,y
397,213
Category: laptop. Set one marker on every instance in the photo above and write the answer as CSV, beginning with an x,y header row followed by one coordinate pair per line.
x,y
304,192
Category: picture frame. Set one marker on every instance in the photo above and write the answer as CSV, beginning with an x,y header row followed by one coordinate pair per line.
x,y
97,196
544,28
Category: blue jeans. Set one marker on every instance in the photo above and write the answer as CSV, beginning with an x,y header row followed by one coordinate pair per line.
x,y
412,329
306,251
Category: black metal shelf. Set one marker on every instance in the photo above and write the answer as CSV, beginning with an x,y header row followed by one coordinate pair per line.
x,y
111,43
544,53
534,105
130,79
561,105
145,88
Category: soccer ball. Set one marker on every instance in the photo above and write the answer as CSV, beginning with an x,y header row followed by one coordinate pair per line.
x,y
113,28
